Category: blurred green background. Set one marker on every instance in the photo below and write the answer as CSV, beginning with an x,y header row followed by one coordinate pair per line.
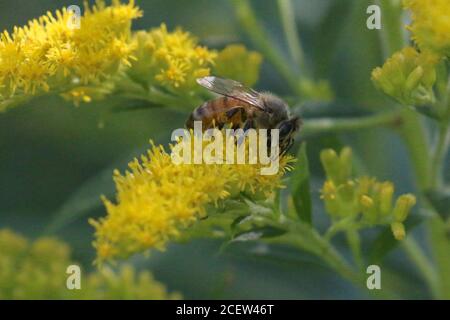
x,y
53,153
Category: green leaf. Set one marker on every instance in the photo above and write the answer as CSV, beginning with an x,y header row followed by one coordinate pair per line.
x,y
86,198
83,201
258,233
301,194
258,209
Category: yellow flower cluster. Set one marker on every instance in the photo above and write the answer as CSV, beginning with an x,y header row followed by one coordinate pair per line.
x,y
38,271
101,56
408,76
50,53
172,60
431,24
168,64
361,202
156,199
125,284
236,62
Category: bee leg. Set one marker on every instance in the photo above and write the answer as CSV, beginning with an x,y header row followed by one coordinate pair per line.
x,y
215,124
285,148
249,124
236,126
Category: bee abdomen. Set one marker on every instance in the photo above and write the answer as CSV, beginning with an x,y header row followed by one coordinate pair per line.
x,y
199,114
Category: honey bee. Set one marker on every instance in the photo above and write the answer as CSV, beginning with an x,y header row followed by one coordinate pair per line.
x,y
245,108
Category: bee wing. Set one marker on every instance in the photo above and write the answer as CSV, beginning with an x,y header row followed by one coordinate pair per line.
x,y
233,89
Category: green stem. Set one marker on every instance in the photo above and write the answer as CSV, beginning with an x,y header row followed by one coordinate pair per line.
x,y
287,14
309,240
315,126
413,133
355,245
417,256
439,155
439,236
304,237
415,138
254,30
392,38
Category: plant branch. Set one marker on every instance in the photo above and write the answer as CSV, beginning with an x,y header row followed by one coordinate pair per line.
x,y
417,256
307,239
321,125
439,155
254,30
287,14
354,242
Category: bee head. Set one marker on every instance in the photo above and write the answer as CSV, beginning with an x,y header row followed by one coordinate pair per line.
x,y
288,127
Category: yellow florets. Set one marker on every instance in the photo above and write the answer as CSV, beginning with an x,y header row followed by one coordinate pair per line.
x,y
49,54
176,58
156,199
37,270
431,24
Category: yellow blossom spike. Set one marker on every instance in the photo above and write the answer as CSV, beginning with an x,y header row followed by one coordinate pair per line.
x,y
430,24
172,60
157,199
50,55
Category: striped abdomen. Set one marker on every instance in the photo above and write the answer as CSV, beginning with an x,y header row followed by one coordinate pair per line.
x,y
212,113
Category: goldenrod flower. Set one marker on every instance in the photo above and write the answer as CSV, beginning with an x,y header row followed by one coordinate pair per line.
x,y
156,199
37,270
125,284
408,76
172,60
50,55
431,24
103,57
365,200
236,62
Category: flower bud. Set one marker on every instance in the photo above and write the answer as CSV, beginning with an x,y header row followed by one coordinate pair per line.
x,y
330,163
414,78
345,161
366,202
386,193
408,76
368,208
347,191
403,206
398,230
328,194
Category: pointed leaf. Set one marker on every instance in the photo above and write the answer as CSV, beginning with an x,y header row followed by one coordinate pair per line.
x,y
301,194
